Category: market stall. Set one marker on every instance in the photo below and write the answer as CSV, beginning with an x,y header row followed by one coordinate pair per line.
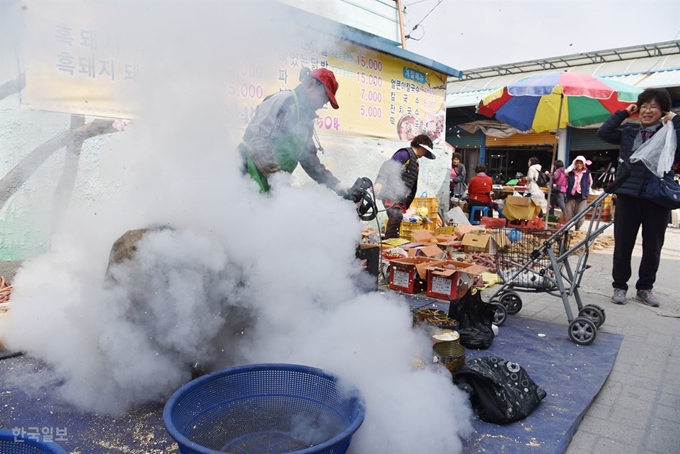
x,y
521,254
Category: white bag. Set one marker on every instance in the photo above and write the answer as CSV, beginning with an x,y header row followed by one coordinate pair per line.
x,y
457,216
658,153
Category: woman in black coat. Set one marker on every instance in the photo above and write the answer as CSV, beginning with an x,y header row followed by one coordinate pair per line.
x,y
633,210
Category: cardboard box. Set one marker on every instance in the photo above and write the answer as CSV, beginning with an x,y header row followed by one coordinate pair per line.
x,y
501,239
442,283
421,236
450,246
461,230
411,251
423,250
470,269
446,230
489,242
450,279
473,242
409,275
445,238
518,201
432,250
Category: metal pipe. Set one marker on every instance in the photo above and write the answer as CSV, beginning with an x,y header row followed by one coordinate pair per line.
x,y
401,24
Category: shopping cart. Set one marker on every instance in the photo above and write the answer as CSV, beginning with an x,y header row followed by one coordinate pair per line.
x,y
538,261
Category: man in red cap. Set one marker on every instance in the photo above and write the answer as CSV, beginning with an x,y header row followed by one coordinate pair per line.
x,y
279,137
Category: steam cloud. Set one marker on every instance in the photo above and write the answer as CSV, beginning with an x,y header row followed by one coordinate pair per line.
x,y
240,278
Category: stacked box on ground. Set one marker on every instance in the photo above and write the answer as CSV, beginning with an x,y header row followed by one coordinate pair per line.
x,y
409,275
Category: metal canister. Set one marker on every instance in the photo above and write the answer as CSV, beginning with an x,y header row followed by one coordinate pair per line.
x,y
450,354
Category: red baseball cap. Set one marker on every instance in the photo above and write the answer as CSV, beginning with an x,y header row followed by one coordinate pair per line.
x,y
327,78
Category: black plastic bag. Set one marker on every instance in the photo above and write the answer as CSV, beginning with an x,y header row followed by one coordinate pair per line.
x,y
500,391
474,317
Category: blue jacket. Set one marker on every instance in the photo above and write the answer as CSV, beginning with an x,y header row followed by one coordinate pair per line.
x,y
625,136
585,184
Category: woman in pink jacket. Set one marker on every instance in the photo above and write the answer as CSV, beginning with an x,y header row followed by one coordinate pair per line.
x,y
559,188
579,182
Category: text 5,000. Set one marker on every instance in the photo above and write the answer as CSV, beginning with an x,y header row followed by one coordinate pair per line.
x,y
370,111
245,91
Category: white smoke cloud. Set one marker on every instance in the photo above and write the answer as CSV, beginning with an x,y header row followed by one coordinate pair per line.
x,y
239,278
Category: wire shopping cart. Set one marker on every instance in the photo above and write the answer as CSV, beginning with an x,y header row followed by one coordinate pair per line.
x,y
538,261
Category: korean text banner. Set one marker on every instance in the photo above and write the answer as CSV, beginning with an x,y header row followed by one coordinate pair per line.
x,y
83,61
78,62
379,95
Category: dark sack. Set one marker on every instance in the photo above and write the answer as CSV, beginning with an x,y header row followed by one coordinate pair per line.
x,y
474,318
664,191
500,391
542,179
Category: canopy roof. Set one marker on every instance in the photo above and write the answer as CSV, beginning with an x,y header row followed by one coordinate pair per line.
x,y
651,65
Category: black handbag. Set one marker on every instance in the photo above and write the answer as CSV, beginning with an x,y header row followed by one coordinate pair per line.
x,y
500,391
664,191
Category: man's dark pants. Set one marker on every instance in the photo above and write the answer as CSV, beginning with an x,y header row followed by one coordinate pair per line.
x,y
394,218
631,214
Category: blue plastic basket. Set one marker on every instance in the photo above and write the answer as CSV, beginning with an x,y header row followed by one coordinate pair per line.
x,y
264,409
23,444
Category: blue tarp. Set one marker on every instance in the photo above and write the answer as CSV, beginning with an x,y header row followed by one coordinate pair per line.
x,y
572,375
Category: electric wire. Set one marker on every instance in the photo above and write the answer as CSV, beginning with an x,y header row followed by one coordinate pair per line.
x,y
408,36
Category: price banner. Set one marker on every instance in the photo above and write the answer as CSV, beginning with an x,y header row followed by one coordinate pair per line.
x,y
78,62
379,95
81,62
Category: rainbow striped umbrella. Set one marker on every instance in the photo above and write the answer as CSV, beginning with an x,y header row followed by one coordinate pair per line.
x,y
556,99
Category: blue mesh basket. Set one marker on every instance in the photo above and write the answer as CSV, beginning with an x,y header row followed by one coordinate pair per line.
x,y
24,444
264,409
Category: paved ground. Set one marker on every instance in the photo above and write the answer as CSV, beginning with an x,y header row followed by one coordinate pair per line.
x,y
638,409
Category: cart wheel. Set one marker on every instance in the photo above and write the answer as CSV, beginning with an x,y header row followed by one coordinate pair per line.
x,y
594,313
500,314
582,331
512,302
601,309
